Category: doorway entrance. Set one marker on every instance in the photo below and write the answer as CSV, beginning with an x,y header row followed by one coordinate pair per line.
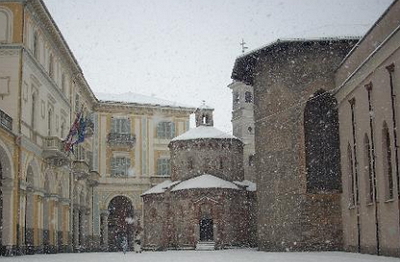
x,y
120,223
206,229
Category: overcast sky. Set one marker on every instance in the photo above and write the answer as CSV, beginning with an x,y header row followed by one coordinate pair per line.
x,y
184,50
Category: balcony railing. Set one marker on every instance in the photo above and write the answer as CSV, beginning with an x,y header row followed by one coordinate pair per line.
x,y
53,149
118,139
5,121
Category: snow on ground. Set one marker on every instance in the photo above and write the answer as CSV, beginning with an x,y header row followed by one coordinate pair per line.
x,y
236,255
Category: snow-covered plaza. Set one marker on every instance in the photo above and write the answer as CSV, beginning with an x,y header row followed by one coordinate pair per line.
x,y
237,255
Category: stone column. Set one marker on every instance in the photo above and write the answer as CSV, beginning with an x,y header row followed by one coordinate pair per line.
x,y
54,224
39,213
65,226
76,229
22,223
8,237
30,221
104,229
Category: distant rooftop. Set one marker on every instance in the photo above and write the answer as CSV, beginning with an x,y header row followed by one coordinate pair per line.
x,y
203,132
245,65
292,40
204,181
133,98
161,188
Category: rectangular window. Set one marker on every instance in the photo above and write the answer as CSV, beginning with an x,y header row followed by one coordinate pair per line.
x,y
163,167
166,130
248,97
120,166
120,125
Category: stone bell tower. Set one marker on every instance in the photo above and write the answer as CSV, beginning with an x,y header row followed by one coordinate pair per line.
x,y
204,115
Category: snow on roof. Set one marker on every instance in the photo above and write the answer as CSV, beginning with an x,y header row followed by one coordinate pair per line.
x,y
250,186
204,181
134,98
161,188
203,132
300,40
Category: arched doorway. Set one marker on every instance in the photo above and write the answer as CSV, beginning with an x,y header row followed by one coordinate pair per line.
x,y
120,222
206,229
7,209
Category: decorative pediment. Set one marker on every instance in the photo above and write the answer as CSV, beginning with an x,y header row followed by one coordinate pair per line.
x,y
205,199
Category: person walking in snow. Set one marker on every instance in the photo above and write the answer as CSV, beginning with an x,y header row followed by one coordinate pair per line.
x,y
124,244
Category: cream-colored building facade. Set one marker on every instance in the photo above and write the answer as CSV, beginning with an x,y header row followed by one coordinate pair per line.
x,y
52,201
368,86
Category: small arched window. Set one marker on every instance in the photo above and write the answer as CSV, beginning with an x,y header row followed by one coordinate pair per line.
x,y
63,129
50,122
368,170
221,163
51,66
350,175
190,163
36,45
251,160
236,97
387,162
33,110
248,97
63,84
6,28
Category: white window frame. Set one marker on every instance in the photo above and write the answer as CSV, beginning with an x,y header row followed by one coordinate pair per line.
x,y
166,130
121,125
120,164
163,167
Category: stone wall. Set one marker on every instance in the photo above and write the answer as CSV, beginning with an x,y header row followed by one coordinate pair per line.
x,y
219,157
285,77
172,218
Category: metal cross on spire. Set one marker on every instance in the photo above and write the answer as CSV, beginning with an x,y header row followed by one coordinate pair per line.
x,y
243,46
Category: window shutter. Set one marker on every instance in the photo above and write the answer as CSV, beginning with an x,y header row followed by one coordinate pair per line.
x,y
112,165
159,127
113,125
127,125
172,130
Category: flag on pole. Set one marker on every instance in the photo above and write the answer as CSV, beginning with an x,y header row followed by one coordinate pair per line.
x,y
76,134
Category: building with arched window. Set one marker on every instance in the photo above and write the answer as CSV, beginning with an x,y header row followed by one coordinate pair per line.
x,y
296,141
207,203
326,137
367,87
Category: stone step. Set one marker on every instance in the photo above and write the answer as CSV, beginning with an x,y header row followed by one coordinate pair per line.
x,y
205,246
